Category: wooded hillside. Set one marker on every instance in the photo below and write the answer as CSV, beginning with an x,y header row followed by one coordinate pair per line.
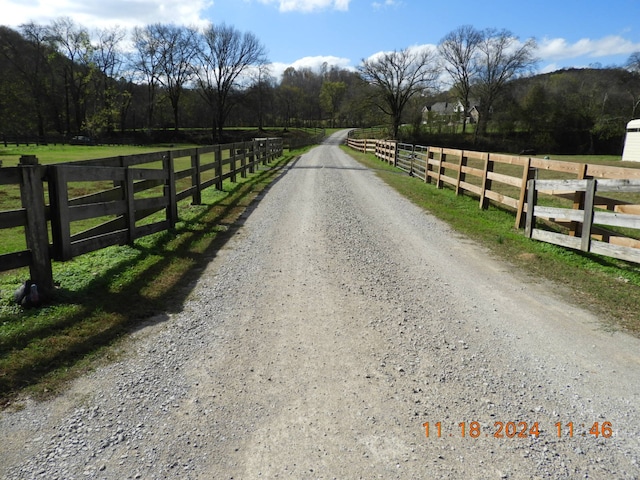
x,y
60,80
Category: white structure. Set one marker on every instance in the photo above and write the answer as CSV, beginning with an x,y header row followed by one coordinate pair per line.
x,y
631,152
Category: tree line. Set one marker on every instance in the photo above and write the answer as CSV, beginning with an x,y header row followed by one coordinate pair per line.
x,y
62,78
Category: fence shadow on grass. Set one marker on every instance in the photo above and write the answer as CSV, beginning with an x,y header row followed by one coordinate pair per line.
x,y
49,353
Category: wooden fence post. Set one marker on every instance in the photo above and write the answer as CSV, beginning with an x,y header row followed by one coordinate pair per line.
x,y
243,162
129,196
60,219
196,178
532,198
461,174
394,144
589,196
427,166
527,174
37,234
218,157
575,228
413,156
442,159
232,159
170,189
251,149
261,152
486,181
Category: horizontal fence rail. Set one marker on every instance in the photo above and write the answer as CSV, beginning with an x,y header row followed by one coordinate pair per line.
x,y
594,232
122,198
506,181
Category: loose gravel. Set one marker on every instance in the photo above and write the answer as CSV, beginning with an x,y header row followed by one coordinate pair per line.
x,y
337,321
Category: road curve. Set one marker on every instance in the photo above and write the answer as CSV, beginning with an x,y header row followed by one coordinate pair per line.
x,y
338,320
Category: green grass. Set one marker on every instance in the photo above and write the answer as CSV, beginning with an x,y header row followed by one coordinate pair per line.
x,y
105,294
608,287
47,154
13,240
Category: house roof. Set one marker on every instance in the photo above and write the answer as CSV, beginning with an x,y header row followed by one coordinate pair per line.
x,y
633,124
442,107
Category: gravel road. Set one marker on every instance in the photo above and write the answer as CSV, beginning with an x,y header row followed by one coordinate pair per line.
x,y
336,322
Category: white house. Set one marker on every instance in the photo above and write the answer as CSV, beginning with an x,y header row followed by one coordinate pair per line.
x,y
453,111
631,152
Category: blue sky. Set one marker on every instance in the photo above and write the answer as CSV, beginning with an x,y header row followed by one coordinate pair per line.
x,y
299,33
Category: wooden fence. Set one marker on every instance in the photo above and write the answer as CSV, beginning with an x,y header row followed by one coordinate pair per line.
x,y
594,215
314,136
118,198
503,179
371,132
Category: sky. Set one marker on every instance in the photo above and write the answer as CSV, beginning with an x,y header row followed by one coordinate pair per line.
x,y
307,33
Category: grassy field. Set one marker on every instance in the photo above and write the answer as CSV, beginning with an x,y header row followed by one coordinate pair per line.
x,y
47,154
104,294
12,240
608,287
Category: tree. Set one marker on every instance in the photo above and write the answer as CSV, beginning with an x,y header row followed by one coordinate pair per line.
x,y
109,61
73,42
225,57
146,61
165,55
308,84
28,55
396,77
331,95
262,83
179,48
535,109
633,65
459,51
289,98
500,58
633,62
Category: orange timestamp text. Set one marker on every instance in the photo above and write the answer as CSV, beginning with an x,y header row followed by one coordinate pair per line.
x,y
517,430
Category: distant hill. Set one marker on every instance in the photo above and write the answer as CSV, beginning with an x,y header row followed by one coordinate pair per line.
x,y
577,111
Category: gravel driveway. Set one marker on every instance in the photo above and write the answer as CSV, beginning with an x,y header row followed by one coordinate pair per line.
x,y
334,324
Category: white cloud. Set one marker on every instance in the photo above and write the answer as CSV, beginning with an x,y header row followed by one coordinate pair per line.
x,y
560,49
552,67
413,49
104,13
387,3
308,6
314,63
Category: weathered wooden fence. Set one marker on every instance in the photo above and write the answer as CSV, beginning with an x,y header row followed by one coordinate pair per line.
x,y
503,179
120,196
594,216
313,137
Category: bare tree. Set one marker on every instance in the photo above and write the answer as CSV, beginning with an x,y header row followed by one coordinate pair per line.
x,y
501,57
262,81
633,62
73,42
146,62
225,58
179,49
29,54
109,61
459,50
397,76
165,55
